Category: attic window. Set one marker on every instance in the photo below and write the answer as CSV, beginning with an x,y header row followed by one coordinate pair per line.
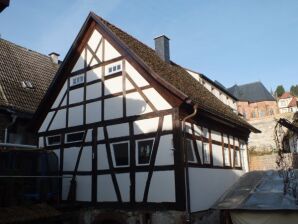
x,y
27,85
76,80
114,68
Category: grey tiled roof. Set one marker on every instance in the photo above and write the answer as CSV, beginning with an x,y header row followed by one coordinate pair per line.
x,y
19,64
252,92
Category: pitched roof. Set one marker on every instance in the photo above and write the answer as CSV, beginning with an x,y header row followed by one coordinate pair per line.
x,y
17,65
252,92
293,102
171,75
286,95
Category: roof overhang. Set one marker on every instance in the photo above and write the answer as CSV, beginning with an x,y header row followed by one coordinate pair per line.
x,y
3,4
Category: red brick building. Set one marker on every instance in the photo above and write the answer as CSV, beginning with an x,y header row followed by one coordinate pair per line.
x,y
254,101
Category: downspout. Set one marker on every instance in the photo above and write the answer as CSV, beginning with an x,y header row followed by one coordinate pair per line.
x,y
185,160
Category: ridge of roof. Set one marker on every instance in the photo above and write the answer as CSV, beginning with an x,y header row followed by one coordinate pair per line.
x,y
175,75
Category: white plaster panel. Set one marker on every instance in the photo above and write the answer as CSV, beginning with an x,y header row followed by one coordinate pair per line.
x,y
46,122
105,189
205,133
113,85
75,116
216,136
141,178
217,155
76,95
65,186
100,134
110,51
41,142
199,146
136,105
83,188
128,85
167,123
205,193
98,54
225,138
102,158
93,91
118,130
71,155
94,74
113,108
162,187
88,56
123,180
60,95
165,152
80,62
188,128
93,112
231,138
135,76
59,120
197,130
145,126
156,99
94,40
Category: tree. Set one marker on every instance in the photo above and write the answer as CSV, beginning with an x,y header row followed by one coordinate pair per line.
x,y
294,90
279,90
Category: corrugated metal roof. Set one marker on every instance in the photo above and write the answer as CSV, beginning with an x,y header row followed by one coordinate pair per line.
x,y
258,190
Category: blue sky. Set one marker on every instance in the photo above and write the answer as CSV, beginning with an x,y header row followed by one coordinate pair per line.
x,y
232,41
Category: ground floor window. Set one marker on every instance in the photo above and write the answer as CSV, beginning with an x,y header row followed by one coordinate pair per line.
x,y
121,154
144,151
206,152
54,140
75,137
190,151
227,156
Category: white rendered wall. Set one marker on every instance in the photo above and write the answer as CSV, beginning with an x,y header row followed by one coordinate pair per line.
x,y
207,185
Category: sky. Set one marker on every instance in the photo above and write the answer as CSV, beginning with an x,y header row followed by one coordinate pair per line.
x,y
232,41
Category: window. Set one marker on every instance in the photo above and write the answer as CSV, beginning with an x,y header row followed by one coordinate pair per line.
x,y
190,151
54,140
114,68
76,80
271,112
27,85
206,152
75,137
144,151
121,154
227,156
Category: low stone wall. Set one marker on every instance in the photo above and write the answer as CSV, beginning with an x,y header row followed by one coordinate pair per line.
x,y
268,162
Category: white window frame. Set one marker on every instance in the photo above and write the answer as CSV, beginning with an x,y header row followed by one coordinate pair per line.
x,y
237,155
77,78
74,133
113,153
47,140
112,66
137,151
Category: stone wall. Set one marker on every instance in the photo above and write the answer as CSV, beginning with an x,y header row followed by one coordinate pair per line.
x,y
265,141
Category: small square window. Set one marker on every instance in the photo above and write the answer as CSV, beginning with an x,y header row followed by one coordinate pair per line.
x,y
190,151
145,151
114,68
54,140
121,154
74,81
118,67
110,69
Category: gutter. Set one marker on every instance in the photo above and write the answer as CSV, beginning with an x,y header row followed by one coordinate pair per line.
x,y
186,167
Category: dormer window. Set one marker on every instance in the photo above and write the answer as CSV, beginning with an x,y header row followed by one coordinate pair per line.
x,y
27,85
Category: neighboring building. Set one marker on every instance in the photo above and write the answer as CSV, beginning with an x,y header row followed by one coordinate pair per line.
x,y
25,76
3,4
254,101
217,89
290,139
287,103
114,116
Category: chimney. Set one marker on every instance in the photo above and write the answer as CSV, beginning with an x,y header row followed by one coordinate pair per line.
x,y
54,57
162,47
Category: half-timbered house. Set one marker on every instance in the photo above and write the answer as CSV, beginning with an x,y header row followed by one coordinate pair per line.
x,y
133,130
